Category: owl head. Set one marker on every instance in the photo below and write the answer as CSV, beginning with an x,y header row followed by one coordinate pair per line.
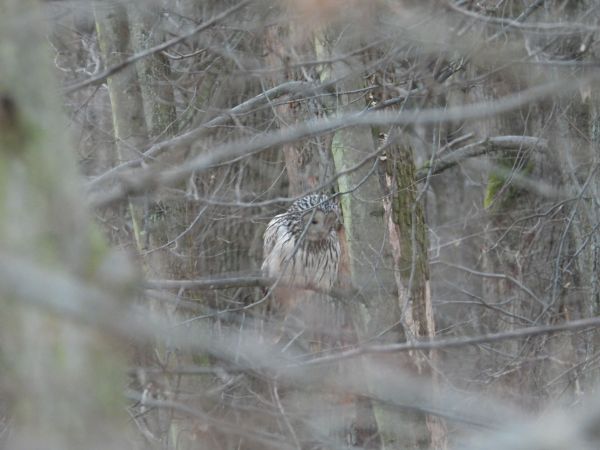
x,y
318,214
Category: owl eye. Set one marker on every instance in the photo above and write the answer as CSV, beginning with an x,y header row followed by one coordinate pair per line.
x,y
314,221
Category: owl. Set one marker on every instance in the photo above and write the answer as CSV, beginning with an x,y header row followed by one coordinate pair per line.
x,y
302,250
301,246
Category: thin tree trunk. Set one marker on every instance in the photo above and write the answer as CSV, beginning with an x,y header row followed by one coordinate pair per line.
x,y
131,133
116,42
129,123
307,162
158,99
154,72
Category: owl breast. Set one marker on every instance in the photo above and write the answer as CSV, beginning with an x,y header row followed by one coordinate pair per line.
x,y
299,261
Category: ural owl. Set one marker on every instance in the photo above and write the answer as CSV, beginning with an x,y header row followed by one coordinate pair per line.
x,y
302,250
301,246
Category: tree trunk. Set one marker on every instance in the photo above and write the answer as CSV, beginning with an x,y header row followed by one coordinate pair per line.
x,y
153,72
387,246
131,135
405,217
370,261
62,379
307,162
117,40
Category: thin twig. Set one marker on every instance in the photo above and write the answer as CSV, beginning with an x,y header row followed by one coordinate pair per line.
x,y
290,87
153,178
102,76
573,325
482,147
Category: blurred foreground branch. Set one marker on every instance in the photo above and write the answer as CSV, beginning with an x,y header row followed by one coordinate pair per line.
x,y
59,294
152,178
224,283
287,88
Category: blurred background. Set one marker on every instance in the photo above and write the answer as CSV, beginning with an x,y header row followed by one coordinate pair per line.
x,y
146,145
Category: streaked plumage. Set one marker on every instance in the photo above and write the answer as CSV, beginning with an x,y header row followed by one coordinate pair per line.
x,y
301,245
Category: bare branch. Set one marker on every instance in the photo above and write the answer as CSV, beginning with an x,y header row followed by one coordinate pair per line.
x,y
211,283
235,281
500,276
482,147
224,425
151,179
101,77
557,27
290,87
573,325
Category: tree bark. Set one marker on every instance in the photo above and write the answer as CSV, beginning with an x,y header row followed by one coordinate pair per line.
x,y
405,218
308,162
371,260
